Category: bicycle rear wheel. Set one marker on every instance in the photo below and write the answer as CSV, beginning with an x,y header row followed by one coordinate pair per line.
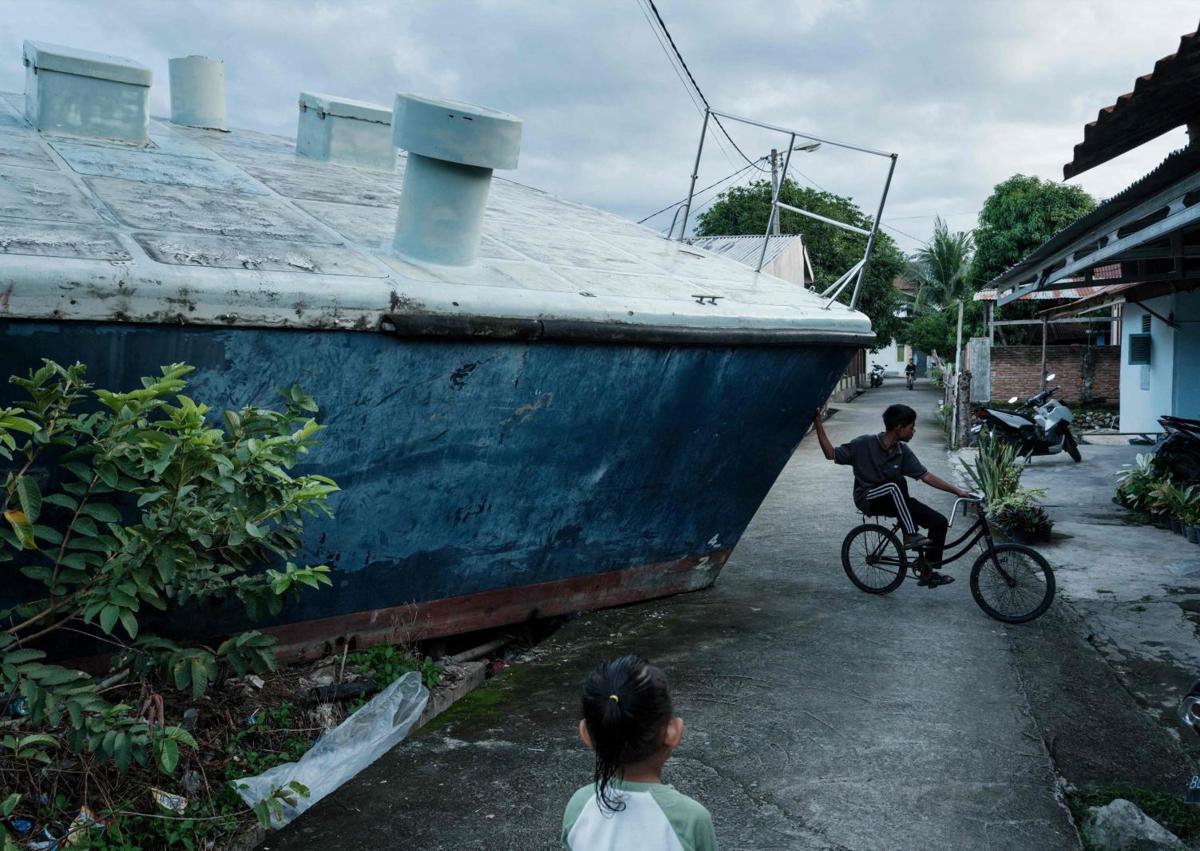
x,y
1012,583
873,559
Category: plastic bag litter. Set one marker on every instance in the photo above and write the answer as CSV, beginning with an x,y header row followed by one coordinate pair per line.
x,y
381,724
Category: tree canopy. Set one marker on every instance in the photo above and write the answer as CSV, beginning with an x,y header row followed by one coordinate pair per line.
x,y
1019,215
744,210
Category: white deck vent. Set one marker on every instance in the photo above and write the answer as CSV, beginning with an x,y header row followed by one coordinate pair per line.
x,y
80,93
198,92
452,149
340,130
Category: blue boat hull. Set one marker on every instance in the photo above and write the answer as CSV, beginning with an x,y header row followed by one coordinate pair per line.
x,y
484,482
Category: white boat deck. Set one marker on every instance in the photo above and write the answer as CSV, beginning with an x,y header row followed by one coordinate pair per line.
x,y
206,227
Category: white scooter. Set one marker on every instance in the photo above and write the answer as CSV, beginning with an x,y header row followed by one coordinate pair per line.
x,y
1047,433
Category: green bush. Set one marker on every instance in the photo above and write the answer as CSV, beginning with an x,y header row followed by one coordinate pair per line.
x,y
119,502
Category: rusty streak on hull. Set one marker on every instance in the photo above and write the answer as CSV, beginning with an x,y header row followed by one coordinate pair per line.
x,y
455,615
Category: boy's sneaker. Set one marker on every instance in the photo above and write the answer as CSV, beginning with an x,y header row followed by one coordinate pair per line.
x,y
916,542
933,579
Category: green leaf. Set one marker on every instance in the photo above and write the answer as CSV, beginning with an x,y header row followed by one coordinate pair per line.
x,y
76,561
108,618
14,423
82,471
150,496
254,531
18,657
10,804
48,534
30,496
168,755
85,526
130,622
122,752
103,512
108,474
62,501
164,561
199,677
181,736
183,674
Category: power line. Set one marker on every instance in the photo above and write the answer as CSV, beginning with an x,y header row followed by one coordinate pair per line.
x,y
662,24
933,216
905,233
678,73
699,192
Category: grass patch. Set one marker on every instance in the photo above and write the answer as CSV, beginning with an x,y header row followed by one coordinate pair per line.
x,y
1170,811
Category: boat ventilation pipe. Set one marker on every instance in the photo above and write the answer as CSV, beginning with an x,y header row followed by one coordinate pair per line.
x,y
341,130
452,149
198,92
80,93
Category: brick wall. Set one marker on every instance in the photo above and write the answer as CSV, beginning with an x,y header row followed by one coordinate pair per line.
x,y
1016,371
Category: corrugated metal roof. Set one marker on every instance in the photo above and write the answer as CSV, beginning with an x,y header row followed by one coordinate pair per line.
x,y
746,248
236,228
1162,100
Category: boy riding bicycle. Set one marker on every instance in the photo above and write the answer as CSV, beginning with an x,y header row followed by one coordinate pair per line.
x,y
880,462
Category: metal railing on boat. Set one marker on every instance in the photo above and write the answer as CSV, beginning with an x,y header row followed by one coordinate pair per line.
x,y
855,273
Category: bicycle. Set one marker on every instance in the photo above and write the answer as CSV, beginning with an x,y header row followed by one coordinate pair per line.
x,y
1012,583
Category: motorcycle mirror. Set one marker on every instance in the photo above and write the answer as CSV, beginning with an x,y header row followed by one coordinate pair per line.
x,y
1051,377
1013,400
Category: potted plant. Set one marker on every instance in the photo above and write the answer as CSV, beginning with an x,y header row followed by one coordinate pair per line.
x,y
1162,503
1021,518
1135,481
1189,512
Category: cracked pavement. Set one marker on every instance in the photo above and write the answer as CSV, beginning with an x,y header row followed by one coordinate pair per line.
x,y
818,717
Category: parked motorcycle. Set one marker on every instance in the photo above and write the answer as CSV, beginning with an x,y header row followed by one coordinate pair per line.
x,y
1178,451
1045,430
876,375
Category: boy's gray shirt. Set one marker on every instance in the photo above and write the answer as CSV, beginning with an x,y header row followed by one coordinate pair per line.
x,y
874,464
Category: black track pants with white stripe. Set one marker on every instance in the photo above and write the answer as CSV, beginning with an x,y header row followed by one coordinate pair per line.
x,y
891,499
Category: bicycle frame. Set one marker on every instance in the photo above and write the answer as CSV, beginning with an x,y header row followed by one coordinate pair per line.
x,y
980,529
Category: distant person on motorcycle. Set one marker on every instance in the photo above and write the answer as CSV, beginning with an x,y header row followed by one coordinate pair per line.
x,y
910,373
880,462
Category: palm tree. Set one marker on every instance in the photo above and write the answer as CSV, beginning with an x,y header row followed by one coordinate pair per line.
x,y
942,268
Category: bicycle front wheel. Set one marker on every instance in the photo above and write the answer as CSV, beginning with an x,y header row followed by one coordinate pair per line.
x,y
873,559
1012,583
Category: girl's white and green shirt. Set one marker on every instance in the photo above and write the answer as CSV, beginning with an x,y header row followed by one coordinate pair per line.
x,y
656,817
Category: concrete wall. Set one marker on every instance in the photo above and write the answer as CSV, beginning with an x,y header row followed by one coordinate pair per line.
x,y
1016,371
1146,391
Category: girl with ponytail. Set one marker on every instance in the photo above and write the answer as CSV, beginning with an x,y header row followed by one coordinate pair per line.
x,y
629,724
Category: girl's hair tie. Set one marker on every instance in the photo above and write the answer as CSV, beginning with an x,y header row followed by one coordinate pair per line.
x,y
614,698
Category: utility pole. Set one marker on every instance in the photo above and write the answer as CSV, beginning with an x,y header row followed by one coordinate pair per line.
x,y
775,187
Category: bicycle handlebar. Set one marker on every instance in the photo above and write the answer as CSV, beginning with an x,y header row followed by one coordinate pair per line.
x,y
975,498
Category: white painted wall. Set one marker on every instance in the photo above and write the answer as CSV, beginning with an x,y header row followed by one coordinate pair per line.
x,y
894,357
1146,391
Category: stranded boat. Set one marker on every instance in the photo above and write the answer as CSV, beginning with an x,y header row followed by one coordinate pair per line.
x,y
533,407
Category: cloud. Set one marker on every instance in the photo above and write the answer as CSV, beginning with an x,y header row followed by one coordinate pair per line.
x,y
967,93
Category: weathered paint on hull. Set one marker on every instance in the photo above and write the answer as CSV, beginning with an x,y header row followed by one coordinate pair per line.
x,y
487,481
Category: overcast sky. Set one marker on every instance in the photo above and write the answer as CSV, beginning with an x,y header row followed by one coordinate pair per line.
x,y
968,93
